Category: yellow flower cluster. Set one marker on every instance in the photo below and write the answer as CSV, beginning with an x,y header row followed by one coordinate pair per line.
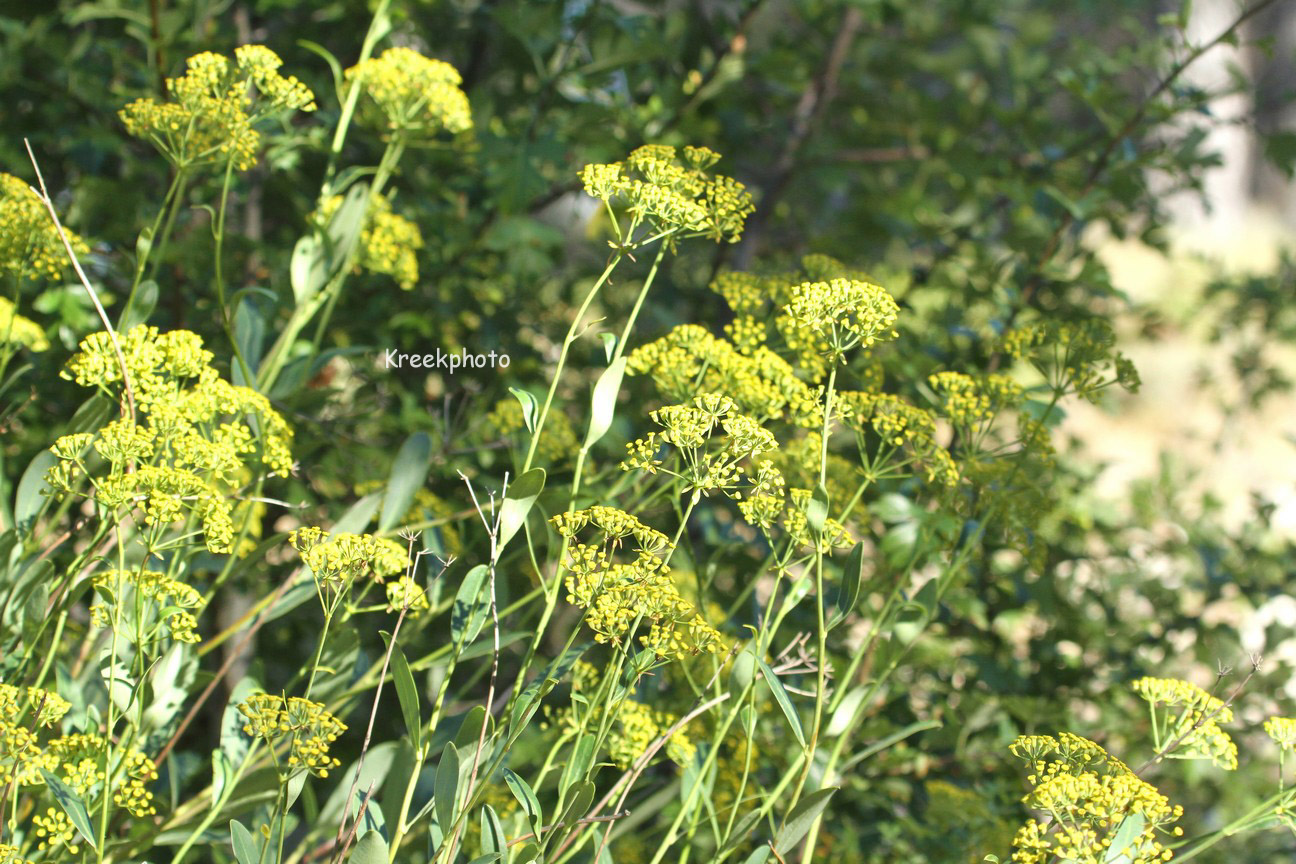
x,y
797,525
405,593
637,727
1195,725
29,243
197,443
18,330
78,761
408,94
1085,795
10,855
336,560
119,590
972,402
706,464
672,192
21,712
617,596
898,425
1078,359
311,727
389,242
843,312
1282,730
55,831
559,441
689,361
214,107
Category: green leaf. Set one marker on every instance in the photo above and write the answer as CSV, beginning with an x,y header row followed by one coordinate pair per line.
x,y
578,806
447,786
579,762
73,806
1131,828
530,852
603,402
246,849
407,693
468,615
758,856
518,500
530,804
802,817
222,773
784,702
306,269
743,672
741,830
530,408
492,832
408,473
817,510
371,849
29,501
139,310
849,590
358,516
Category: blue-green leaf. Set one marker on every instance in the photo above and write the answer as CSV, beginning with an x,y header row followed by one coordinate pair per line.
x,y
447,786
530,804
408,473
603,402
783,700
407,693
73,806
800,820
371,849
520,496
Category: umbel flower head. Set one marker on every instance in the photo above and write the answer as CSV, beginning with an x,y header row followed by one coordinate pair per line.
x,y
845,313
337,560
618,594
410,95
29,247
389,242
671,192
1084,796
311,728
192,446
214,107
1188,717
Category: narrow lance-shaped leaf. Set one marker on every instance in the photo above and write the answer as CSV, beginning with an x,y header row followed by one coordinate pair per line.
x,y
73,806
408,473
603,402
447,785
407,693
800,820
530,804
520,496
849,591
783,700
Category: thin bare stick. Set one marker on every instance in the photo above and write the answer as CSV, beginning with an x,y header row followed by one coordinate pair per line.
x,y
129,412
492,531
588,820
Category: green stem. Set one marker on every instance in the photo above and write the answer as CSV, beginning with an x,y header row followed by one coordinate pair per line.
x,y
572,332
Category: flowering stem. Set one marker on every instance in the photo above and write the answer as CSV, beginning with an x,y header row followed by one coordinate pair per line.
x,y
378,27
572,332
